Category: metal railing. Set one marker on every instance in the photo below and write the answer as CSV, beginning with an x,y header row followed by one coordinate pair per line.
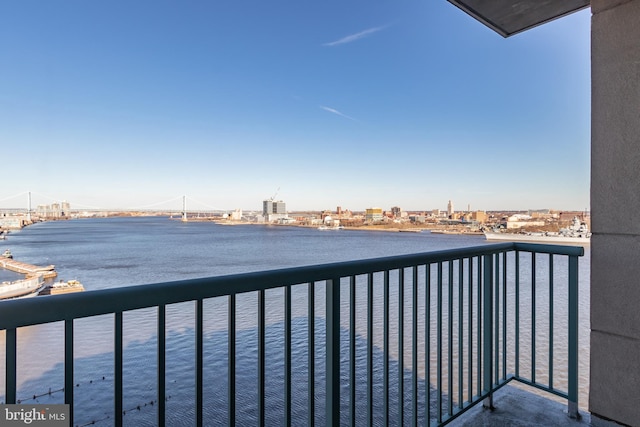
x,y
475,320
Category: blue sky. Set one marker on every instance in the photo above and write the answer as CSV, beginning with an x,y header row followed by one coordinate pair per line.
x,y
132,104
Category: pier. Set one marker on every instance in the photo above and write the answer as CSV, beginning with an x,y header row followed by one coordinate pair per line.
x,y
28,269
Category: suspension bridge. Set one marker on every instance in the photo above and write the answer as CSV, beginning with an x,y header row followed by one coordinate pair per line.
x,y
28,203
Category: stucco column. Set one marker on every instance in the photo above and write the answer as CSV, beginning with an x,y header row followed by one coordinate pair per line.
x,y
615,205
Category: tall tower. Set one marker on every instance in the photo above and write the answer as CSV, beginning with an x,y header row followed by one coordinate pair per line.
x,y
29,208
450,208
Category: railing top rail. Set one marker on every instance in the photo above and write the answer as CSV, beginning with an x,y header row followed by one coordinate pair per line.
x,y
32,311
549,249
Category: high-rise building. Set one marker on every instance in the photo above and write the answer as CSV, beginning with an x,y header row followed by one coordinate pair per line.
x,y
272,210
66,208
450,208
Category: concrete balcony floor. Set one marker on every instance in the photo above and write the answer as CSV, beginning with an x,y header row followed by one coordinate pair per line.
x,y
516,405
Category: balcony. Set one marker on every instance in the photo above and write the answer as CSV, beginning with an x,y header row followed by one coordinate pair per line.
x,y
423,339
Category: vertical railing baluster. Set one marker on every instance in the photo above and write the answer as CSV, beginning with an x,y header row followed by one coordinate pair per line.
x,y
450,338
496,322
427,345
551,321
11,363
261,356
287,355
231,327
311,350
162,341
488,330
572,405
470,332
385,348
352,350
517,319
533,317
333,352
504,316
401,346
68,367
118,369
479,327
414,347
370,349
439,343
199,362
460,332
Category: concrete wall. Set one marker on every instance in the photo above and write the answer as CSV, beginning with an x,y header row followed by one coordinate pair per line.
x,y
615,202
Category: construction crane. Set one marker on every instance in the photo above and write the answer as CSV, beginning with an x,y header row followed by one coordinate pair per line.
x,y
274,195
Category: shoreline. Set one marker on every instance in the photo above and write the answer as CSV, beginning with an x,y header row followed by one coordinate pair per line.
x,y
375,228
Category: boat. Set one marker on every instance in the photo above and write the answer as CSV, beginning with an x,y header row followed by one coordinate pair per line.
x,y
28,287
7,254
576,233
62,287
335,227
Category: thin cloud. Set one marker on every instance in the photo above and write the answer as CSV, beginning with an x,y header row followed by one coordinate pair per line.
x,y
357,36
334,111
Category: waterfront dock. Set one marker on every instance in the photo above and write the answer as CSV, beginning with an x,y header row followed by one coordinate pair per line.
x,y
28,269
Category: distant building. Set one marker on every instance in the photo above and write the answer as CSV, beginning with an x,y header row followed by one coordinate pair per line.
x,y
66,208
450,208
274,211
54,210
13,222
417,218
236,215
396,211
479,216
373,214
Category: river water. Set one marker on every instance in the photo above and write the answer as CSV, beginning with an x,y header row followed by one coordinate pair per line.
x,y
115,252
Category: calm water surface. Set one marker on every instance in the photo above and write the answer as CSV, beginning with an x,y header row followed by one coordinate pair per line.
x,y
116,252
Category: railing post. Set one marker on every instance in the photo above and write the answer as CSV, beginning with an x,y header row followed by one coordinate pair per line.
x,y
199,362
118,348
333,353
68,366
572,405
11,361
261,354
487,363
162,363
231,355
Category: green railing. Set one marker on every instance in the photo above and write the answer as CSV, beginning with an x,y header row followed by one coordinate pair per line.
x,y
479,317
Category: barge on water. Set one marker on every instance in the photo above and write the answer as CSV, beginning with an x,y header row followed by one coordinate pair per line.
x,y
11,264
61,287
22,288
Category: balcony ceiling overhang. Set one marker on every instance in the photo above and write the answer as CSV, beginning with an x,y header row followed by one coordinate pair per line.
x,y
509,17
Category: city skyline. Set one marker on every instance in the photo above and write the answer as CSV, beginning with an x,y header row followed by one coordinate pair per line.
x,y
407,104
178,204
